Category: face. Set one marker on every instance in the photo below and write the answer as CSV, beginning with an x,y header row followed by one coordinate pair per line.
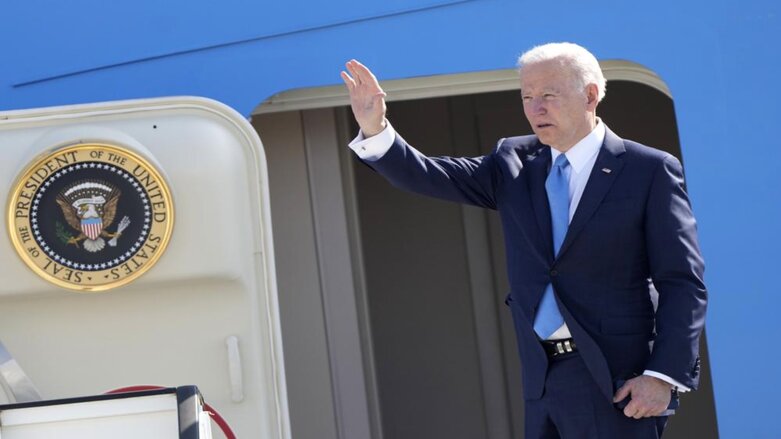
x,y
559,113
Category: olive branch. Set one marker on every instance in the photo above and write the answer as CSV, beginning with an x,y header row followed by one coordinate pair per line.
x,y
62,233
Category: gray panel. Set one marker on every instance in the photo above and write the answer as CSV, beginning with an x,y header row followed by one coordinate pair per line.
x,y
499,115
336,276
345,130
307,367
419,297
486,299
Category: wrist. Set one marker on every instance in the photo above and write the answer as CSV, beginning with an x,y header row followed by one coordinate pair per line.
x,y
374,130
660,381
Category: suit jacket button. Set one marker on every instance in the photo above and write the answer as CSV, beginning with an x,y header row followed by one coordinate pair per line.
x,y
554,273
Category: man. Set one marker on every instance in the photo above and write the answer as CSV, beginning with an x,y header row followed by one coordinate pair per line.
x,y
588,218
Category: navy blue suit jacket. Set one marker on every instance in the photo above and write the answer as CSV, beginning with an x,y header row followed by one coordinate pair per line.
x,y
634,223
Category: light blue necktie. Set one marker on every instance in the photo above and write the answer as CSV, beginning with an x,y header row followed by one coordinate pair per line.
x,y
548,318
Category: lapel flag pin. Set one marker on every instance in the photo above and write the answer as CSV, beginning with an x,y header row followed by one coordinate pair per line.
x,y
606,170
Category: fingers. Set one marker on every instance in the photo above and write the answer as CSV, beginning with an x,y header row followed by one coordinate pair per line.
x,y
639,413
640,407
361,74
623,392
632,410
650,396
351,67
355,70
348,81
635,410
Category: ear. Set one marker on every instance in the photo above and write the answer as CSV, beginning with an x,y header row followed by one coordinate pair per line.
x,y
592,96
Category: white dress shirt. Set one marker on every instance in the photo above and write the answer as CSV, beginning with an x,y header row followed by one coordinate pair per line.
x,y
581,157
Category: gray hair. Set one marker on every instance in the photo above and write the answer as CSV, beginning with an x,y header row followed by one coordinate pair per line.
x,y
581,62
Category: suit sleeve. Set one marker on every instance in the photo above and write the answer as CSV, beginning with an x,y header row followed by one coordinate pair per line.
x,y
459,179
676,268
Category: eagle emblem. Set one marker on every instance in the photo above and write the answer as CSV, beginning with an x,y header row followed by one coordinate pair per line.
x,y
70,216
89,207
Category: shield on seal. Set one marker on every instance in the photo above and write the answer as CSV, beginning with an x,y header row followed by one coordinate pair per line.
x,y
92,227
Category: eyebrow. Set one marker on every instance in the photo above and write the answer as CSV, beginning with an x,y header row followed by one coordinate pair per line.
x,y
543,90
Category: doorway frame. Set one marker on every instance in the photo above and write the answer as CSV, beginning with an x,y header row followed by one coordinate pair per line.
x,y
348,335
443,85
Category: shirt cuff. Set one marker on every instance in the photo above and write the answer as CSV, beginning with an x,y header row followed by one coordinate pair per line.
x,y
373,148
681,388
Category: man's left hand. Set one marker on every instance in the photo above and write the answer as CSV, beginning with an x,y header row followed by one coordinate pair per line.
x,y
650,396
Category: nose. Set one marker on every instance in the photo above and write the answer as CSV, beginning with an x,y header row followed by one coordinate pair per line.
x,y
538,106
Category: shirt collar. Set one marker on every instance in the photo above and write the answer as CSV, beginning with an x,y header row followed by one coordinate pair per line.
x,y
585,149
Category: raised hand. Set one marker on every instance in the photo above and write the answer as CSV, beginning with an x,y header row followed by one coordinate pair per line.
x,y
366,98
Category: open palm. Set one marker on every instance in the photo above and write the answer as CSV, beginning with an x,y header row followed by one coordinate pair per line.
x,y
366,98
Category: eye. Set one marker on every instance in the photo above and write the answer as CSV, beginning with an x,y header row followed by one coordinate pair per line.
x,y
526,98
549,96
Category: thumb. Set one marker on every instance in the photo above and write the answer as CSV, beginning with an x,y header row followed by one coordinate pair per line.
x,y
623,392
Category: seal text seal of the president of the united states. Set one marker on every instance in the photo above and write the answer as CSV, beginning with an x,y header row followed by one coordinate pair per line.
x,y
90,217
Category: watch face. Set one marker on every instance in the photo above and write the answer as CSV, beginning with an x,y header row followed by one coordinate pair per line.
x,y
90,217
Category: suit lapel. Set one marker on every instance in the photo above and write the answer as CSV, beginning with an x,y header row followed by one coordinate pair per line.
x,y
599,182
537,173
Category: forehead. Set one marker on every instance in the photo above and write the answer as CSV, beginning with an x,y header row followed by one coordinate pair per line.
x,y
545,75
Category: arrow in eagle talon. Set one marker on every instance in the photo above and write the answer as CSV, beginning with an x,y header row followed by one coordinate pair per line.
x,y
122,226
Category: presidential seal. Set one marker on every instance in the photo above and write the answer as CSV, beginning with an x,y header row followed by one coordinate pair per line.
x,y
90,217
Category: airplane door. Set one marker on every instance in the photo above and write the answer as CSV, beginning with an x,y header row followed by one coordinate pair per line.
x,y
138,252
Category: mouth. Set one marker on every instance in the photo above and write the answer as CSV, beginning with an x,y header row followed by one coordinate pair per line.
x,y
543,125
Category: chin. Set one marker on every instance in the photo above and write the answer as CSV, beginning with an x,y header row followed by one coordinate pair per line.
x,y
545,139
